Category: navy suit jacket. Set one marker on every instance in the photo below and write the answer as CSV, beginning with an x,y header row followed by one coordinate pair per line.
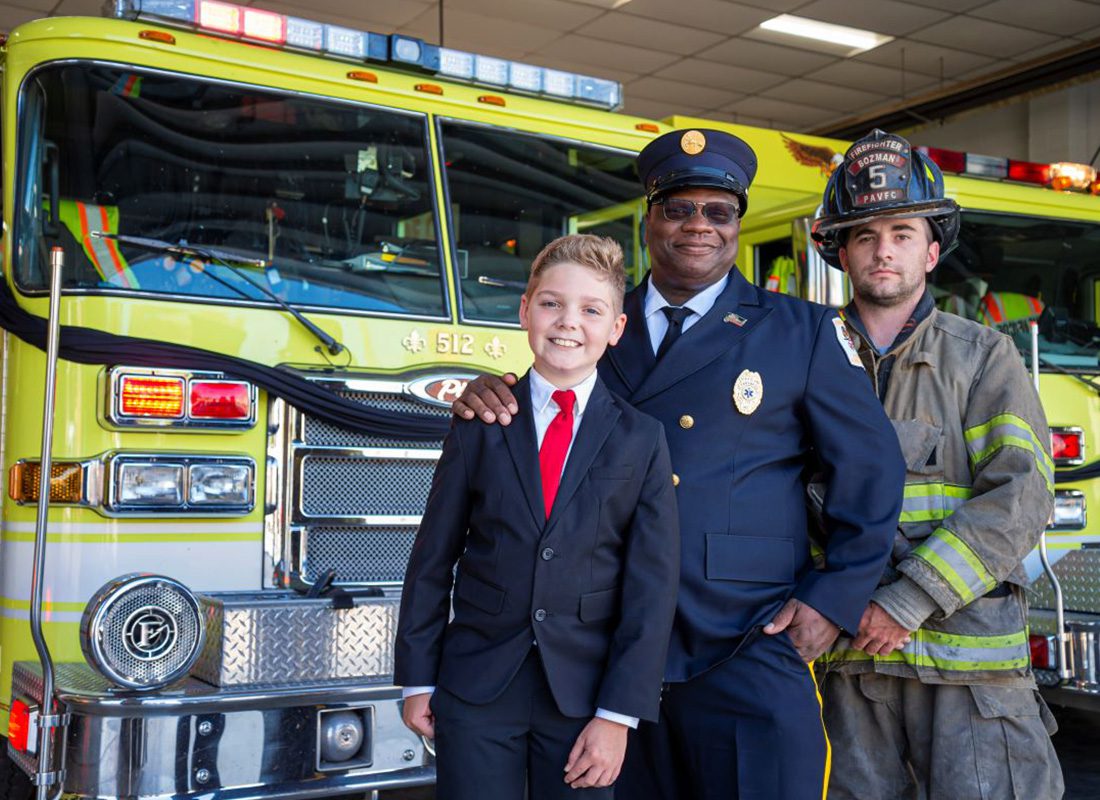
x,y
743,519
595,585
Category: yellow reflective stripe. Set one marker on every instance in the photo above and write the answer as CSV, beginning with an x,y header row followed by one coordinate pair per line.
x,y
1008,430
950,652
956,563
932,502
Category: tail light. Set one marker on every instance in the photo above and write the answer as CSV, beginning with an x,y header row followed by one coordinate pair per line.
x,y
1067,446
1042,651
20,725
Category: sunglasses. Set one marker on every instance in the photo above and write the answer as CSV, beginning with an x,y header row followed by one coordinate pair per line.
x,y
716,212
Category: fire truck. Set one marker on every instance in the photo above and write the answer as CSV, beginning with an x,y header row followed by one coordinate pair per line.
x,y
249,261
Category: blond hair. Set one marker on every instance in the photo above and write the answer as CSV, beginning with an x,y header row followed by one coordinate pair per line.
x,y
601,254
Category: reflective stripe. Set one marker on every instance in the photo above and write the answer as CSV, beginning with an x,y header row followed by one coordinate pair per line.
x,y
950,652
1008,430
932,502
82,219
956,563
993,308
1036,305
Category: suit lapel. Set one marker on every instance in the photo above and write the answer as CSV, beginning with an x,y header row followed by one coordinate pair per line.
x,y
599,419
522,446
736,313
632,358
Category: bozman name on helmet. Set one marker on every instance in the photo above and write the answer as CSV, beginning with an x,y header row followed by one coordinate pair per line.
x,y
149,633
877,144
877,157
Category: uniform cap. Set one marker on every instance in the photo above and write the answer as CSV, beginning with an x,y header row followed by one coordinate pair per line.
x,y
699,158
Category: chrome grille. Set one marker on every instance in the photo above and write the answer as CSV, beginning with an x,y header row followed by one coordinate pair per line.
x,y
350,487
355,500
357,555
321,434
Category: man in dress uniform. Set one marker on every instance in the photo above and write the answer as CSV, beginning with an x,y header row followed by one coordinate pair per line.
x,y
753,389
933,696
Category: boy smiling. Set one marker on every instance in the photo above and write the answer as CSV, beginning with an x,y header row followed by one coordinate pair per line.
x,y
563,529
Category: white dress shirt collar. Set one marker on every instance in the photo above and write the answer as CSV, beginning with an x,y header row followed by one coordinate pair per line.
x,y
542,392
700,303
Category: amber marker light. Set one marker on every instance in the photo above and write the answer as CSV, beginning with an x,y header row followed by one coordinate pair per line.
x,y
492,100
362,75
647,127
150,396
66,482
429,88
157,36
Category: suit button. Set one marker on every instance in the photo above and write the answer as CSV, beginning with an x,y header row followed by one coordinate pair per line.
x,y
540,615
687,421
675,479
547,553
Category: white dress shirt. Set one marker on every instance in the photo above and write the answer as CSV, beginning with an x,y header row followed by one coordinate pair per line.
x,y
544,410
657,322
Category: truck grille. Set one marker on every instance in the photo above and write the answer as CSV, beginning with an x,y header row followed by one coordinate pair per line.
x,y
357,499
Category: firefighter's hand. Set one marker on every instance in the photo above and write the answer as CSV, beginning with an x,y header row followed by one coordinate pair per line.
x,y
597,757
810,632
417,716
488,397
879,634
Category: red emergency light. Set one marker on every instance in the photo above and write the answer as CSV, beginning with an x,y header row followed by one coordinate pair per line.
x,y
1042,652
220,400
1067,446
19,725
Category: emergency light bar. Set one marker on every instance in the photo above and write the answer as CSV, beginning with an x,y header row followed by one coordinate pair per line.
x,y
1063,176
293,33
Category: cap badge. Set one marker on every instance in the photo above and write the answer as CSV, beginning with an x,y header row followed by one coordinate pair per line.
x,y
693,142
735,319
748,391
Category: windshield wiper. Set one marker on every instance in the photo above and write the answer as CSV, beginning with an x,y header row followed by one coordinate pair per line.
x,y
230,261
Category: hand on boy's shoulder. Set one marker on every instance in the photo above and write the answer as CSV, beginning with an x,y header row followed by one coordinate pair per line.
x,y
597,756
488,397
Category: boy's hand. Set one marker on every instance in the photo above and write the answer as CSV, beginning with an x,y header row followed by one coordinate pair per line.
x,y
417,716
489,397
597,757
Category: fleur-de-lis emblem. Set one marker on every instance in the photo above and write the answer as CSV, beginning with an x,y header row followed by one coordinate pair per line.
x,y
495,348
414,342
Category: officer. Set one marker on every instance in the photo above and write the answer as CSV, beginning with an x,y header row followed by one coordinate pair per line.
x,y
953,713
751,387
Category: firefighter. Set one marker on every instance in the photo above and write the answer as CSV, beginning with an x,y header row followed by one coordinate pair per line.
x,y
933,695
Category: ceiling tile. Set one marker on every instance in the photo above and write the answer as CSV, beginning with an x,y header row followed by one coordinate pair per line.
x,y
712,15
607,54
572,65
655,109
775,6
949,5
676,92
982,36
743,52
647,33
10,16
824,95
332,18
874,78
1066,17
928,59
880,16
384,16
76,8
1045,51
780,111
726,76
469,31
555,14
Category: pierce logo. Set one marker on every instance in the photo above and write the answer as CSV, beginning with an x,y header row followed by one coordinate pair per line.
x,y
439,390
149,633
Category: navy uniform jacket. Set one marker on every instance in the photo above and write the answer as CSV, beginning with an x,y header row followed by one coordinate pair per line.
x,y
743,520
595,585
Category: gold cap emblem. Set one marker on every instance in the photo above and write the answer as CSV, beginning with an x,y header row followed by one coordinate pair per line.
x,y
693,142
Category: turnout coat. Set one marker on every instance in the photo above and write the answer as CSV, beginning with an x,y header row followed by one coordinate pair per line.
x,y
740,468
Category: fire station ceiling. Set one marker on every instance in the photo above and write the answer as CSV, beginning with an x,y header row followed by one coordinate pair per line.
x,y
710,58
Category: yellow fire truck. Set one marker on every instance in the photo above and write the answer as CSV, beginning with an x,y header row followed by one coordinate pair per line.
x,y
276,250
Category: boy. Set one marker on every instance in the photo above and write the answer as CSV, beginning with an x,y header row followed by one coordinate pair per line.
x,y
565,535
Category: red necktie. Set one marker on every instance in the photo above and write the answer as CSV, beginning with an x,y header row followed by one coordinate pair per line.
x,y
555,444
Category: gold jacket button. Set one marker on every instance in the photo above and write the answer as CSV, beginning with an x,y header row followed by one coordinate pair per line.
x,y
675,479
687,421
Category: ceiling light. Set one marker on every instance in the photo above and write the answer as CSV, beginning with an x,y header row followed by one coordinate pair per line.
x,y
853,39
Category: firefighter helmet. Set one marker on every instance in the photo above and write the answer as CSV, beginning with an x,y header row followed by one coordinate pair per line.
x,y
883,176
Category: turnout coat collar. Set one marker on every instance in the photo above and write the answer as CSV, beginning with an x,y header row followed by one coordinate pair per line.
x,y
736,313
600,416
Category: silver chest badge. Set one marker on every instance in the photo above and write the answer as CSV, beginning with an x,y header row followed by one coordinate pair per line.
x,y
748,391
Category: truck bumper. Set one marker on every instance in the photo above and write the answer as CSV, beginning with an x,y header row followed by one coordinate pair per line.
x,y
193,739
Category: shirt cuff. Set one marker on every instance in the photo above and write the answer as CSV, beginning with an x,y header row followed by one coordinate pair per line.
x,y
409,691
906,602
622,719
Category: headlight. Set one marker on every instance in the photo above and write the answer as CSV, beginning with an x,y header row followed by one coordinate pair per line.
x,y
169,482
1069,510
220,485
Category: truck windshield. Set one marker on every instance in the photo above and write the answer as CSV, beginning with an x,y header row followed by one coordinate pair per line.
x,y
1009,270
336,198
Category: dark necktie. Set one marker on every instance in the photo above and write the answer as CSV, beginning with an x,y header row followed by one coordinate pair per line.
x,y
676,316
555,444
